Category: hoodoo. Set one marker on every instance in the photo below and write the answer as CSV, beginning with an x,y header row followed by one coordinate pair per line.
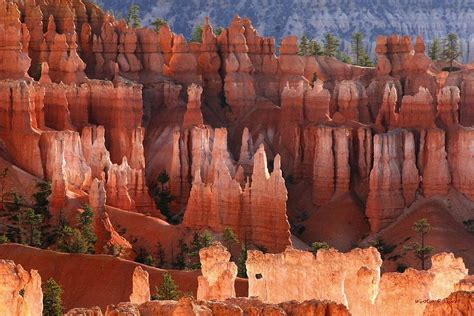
x,y
262,176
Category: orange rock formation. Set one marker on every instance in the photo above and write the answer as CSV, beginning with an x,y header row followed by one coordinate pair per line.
x,y
267,144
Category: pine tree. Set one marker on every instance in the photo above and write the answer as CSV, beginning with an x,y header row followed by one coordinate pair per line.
x,y
52,301
196,35
4,239
76,240
451,49
315,246
343,57
421,251
314,48
144,257
168,289
358,51
133,16
161,257
71,240
435,50
180,261
3,176
383,248
32,229
331,45
163,178
303,46
199,242
229,238
218,30
241,262
15,208
85,220
41,205
366,61
158,23
164,197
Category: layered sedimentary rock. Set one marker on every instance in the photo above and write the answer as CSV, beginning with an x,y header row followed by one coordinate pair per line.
x,y
183,65
460,150
397,57
220,202
323,167
417,111
417,71
466,113
209,63
392,178
351,101
434,164
387,116
399,62
291,65
239,85
193,114
152,57
77,173
118,185
409,292
323,160
93,311
316,103
20,293
117,107
397,289
291,117
140,287
238,306
458,303
122,309
56,108
448,106
21,108
350,279
393,54
292,106
466,284
265,203
266,64
331,170
60,53
127,58
448,271
95,152
218,274
108,240
14,41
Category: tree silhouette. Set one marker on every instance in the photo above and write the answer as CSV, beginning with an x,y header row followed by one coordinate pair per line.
x,y
133,16
315,246
435,50
314,48
158,23
331,45
421,251
361,58
451,49
168,289
52,301
303,46
196,35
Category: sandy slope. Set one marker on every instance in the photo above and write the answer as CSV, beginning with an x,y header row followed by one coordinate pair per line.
x,y
95,280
